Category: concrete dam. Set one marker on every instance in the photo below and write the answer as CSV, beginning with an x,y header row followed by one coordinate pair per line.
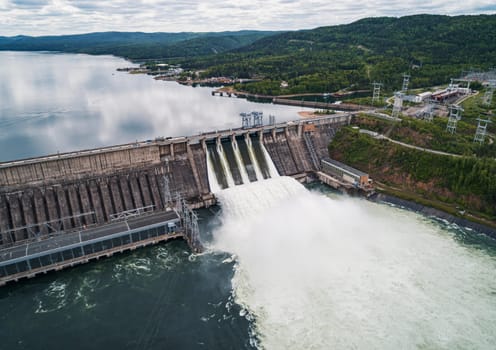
x,y
72,192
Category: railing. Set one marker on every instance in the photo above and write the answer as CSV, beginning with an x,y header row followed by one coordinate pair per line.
x,y
54,227
124,215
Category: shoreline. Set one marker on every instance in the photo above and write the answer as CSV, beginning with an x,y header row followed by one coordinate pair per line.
x,y
434,212
470,221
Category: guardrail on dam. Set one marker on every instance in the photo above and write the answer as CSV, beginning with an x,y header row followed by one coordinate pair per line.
x,y
88,188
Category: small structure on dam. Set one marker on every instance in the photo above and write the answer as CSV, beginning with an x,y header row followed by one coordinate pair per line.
x,y
79,197
345,178
345,173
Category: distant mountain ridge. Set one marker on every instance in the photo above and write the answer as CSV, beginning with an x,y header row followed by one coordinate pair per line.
x,y
433,48
137,45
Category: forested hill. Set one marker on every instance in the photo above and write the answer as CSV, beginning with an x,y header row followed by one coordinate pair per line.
x,y
420,37
137,45
433,48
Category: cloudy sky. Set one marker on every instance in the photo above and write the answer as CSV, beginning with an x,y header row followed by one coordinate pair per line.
x,y
43,17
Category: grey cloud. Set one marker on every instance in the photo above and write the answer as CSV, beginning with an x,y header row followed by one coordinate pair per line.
x,y
77,16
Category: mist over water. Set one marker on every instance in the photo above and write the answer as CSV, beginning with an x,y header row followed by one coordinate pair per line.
x,y
342,273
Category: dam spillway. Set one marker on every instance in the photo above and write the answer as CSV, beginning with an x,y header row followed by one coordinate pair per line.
x,y
63,193
229,168
250,166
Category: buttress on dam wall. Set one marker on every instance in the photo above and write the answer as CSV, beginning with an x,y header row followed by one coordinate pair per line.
x,y
64,192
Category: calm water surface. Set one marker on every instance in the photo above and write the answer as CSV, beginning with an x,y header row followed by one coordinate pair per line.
x,y
62,102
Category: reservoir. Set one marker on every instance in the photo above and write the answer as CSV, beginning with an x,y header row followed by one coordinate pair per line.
x,y
286,266
53,103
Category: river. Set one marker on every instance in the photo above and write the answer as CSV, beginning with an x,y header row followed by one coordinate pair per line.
x,y
287,267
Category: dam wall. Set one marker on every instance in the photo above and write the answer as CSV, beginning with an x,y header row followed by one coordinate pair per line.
x,y
69,191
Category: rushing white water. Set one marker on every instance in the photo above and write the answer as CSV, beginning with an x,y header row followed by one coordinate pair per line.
x,y
225,165
212,178
254,161
270,164
321,273
239,161
215,186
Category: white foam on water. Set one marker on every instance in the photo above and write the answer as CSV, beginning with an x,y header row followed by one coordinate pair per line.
x,y
212,178
240,163
225,165
54,298
321,273
253,158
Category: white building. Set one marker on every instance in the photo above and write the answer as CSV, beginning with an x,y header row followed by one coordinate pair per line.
x,y
424,96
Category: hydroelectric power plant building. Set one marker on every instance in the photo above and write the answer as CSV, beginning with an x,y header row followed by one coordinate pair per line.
x,y
345,173
70,208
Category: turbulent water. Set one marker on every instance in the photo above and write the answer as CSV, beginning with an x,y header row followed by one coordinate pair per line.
x,y
302,271
162,297
321,273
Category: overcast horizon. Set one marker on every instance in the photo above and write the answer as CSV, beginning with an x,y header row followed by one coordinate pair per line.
x,y
59,17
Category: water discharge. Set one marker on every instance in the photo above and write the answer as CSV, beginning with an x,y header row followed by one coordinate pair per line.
x,y
229,166
253,158
270,164
225,165
341,273
239,162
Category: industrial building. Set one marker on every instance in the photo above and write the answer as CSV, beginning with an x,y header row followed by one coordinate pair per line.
x,y
452,91
422,97
65,250
345,173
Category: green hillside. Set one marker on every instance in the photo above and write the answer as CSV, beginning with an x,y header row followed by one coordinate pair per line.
x,y
444,182
136,45
432,48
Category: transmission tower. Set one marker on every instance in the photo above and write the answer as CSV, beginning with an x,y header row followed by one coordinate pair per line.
x,y
406,81
376,95
455,114
480,133
398,103
428,113
457,86
245,120
488,96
